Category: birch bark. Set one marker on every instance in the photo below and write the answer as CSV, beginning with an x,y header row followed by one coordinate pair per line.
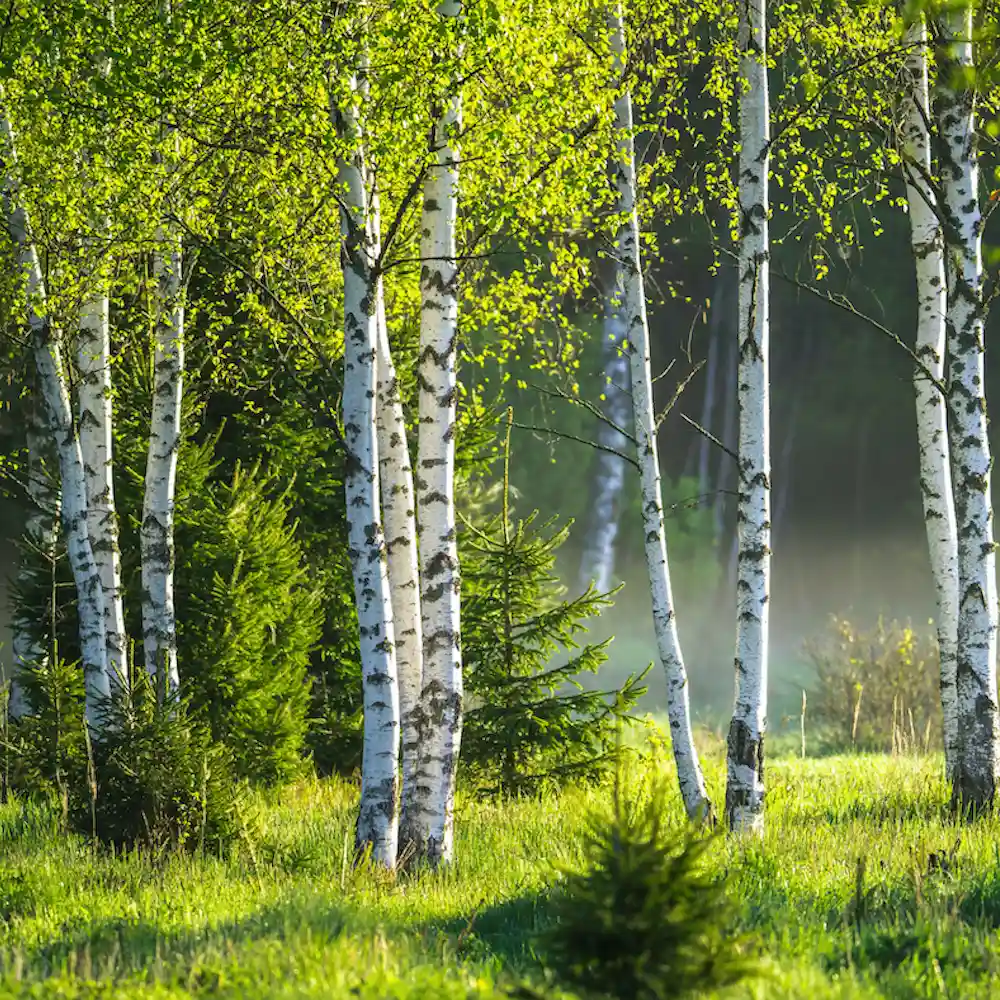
x,y
597,565
52,380
745,752
978,751
631,302
441,693
95,421
927,239
156,533
399,513
378,819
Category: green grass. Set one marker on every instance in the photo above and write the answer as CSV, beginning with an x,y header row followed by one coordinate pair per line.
x,y
290,918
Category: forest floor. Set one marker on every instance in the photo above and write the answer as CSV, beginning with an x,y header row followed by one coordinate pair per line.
x,y
289,917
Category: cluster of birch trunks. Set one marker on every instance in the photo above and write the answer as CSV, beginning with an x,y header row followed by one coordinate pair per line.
x,y
939,155
407,594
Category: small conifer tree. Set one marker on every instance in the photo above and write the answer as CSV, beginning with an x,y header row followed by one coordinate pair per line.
x,y
531,722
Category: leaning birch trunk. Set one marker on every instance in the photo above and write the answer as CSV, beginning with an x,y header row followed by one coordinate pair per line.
x,y
978,759
95,429
632,299
441,692
927,239
52,381
745,751
399,513
28,647
597,564
156,535
378,819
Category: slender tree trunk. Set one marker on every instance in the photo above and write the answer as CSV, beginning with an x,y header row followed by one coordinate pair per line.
x,y
711,373
441,693
156,536
156,533
378,819
597,566
399,512
745,755
28,645
52,381
978,750
631,301
927,238
727,435
96,443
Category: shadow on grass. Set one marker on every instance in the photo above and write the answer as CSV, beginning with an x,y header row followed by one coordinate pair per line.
x,y
119,946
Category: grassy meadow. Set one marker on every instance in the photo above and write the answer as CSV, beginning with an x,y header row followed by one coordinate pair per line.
x,y
287,915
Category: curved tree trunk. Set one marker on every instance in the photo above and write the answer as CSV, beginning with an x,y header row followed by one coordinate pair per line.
x,y
441,693
745,754
52,381
378,819
631,299
978,759
932,425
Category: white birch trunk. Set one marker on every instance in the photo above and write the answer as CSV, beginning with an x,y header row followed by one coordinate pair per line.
x,y
441,693
52,381
156,534
399,514
978,757
96,444
597,565
632,305
378,819
745,752
927,239
28,649
156,531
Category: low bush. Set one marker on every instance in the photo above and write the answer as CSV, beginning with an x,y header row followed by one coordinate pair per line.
x,y
645,919
876,690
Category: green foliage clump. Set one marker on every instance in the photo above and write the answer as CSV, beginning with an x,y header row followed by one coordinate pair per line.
x,y
530,723
156,777
876,690
153,776
645,919
46,747
248,621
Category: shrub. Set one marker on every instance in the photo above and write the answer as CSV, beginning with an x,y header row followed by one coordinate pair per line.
x,y
645,919
157,778
877,690
247,622
531,722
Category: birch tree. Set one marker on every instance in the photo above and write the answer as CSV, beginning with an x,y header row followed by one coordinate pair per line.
x,y
927,239
745,752
977,761
95,422
47,350
628,297
441,690
378,820
598,561
399,513
156,535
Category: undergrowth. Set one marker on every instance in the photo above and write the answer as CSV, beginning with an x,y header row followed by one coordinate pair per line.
x,y
862,887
